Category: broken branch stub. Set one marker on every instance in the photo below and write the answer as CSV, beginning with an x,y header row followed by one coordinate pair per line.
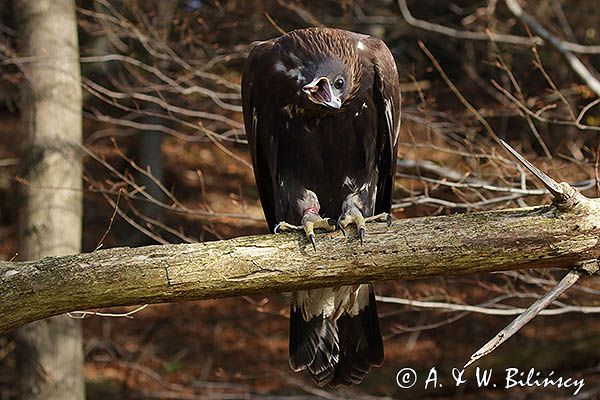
x,y
565,196
567,199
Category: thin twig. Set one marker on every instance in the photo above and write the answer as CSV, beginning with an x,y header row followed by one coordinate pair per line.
x,y
569,280
110,223
85,314
458,94
274,24
537,115
437,305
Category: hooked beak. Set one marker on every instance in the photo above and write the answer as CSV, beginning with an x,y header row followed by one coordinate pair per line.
x,y
319,92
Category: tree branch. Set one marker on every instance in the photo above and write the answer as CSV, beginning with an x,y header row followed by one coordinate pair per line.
x,y
533,311
567,51
462,34
548,236
492,36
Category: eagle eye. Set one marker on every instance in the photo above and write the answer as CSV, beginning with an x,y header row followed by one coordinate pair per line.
x,y
339,83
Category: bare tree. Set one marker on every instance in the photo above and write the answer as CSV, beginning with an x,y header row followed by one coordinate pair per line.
x,y
49,352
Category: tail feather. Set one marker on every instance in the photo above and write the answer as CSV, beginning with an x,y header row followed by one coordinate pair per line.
x,y
322,368
337,352
326,358
361,344
313,344
303,339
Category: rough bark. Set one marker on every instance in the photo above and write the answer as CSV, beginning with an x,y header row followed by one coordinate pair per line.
x,y
49,352
548,236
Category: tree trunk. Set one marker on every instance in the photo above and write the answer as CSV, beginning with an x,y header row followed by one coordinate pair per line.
x,y
49,352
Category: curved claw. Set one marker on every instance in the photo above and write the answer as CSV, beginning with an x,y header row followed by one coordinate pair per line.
x,y
389,219
311,239
361,235
276,229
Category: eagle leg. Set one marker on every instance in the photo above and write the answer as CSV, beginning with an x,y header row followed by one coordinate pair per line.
x,y
310,222
352,215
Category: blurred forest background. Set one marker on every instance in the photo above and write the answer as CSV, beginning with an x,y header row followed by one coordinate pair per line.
x,y
165,160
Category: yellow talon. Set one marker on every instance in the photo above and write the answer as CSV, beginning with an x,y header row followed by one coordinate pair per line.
x,y
310,222
356,218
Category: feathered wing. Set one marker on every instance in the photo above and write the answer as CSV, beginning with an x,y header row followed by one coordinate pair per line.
x,y
261,129
386,92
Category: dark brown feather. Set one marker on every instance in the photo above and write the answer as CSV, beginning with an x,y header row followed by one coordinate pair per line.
x,y
296,144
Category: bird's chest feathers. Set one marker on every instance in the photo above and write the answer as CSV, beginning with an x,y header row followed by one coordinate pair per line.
x,y
301,123
309,128
335,143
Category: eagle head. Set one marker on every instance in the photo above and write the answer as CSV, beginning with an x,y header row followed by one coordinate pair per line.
x,y
331,84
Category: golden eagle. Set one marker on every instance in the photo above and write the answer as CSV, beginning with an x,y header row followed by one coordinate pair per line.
x,y
322,116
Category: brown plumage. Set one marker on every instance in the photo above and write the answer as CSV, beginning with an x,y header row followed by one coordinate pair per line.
x,y
322,116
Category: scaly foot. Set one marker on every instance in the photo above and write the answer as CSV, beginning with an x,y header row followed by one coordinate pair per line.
x,y
352,215
310,222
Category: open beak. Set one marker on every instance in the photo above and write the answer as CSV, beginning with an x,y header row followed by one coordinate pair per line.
x,y
319,91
